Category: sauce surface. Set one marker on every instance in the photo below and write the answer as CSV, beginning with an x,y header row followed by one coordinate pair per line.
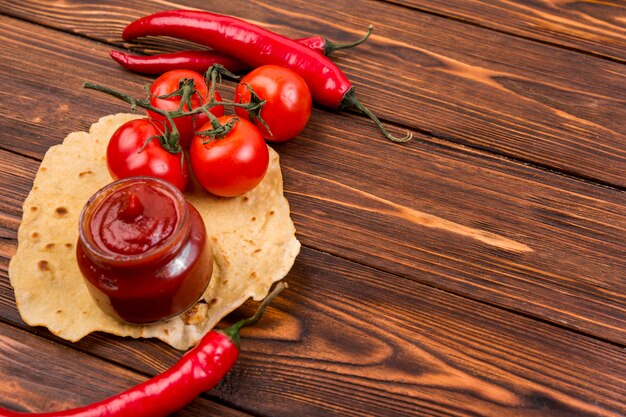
x,y
134,220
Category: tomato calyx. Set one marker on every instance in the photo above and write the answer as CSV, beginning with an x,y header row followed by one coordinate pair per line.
x,y
186,90
256,103
217,130
168,139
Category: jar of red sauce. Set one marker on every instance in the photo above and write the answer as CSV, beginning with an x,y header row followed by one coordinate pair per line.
x,y
142,250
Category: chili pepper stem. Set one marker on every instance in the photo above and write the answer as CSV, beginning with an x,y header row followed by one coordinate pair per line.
x,y
330,47
232,332
349,100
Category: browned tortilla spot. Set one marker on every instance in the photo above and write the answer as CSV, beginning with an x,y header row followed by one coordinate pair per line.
x,y
49,246
194,315
68,245
59,311
61,211
43,265
34,236
271,212
253,219
82,174
33,208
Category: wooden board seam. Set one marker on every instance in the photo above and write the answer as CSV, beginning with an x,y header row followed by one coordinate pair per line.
x,y
504,32
453,293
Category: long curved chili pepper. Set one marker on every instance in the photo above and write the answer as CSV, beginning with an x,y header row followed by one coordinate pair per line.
x,y
200,61
199,370
256,47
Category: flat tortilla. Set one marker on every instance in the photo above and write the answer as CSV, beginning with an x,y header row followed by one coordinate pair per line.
x,y
252,236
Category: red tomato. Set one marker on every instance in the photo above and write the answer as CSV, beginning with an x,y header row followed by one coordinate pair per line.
x,y
168,83
288,101
126,158
233,164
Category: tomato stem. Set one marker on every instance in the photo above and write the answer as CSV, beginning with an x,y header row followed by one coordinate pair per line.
x,y
186,90
169,139
212,76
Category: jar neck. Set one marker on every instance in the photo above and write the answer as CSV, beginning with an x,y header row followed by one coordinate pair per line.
x,y
153,257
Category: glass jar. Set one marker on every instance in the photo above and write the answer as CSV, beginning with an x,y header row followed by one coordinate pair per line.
x,y
143,251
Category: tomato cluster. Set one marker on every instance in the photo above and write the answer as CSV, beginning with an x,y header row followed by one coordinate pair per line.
x,y
228,154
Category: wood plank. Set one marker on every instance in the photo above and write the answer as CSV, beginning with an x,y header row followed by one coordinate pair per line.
x,y
530,101
597,27
539,244
143,356
348,340
39,376
558,241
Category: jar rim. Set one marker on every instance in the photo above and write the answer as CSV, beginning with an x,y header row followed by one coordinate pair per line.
x,y
170,245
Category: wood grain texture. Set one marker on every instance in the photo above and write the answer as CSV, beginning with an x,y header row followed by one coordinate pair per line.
x,y
393,346
348,340
597,27
40,376
405,300
455,218
530,101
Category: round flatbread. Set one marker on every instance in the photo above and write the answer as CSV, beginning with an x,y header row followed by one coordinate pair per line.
x,y
252,236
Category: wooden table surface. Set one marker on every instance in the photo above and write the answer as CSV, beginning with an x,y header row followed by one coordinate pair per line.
x,y
478,270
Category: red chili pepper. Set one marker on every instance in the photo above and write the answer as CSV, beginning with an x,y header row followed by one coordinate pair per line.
x,y
197,371
200,61
256,47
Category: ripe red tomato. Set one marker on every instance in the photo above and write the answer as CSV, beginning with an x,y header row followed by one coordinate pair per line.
x,y
168,83
288,101
126,158
233,164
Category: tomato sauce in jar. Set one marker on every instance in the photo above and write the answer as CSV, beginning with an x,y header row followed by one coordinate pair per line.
x,y
142,250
